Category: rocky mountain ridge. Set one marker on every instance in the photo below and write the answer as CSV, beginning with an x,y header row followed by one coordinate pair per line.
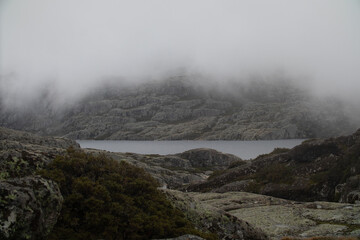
x,y
180,108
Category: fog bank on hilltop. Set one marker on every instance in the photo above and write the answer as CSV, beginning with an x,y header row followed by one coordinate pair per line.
x,y
72,46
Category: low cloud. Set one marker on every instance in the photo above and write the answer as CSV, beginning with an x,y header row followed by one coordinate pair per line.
x,y
73,46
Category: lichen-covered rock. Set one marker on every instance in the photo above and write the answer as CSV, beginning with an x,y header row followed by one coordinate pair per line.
x,y
21,153
212,219
278,218
29,204
29,207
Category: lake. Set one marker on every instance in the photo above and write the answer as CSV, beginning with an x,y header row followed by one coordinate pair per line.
x,y
242,149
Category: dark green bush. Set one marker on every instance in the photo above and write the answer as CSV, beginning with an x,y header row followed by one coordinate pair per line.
x,y
106,199
275,173
236,164
347,165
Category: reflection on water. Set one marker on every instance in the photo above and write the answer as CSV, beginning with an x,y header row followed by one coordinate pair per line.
x,y
243,149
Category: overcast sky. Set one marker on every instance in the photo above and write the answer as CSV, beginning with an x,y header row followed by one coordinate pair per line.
x,y
73,44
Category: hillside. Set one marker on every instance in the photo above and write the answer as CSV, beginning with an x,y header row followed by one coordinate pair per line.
x,y
316,170
179,109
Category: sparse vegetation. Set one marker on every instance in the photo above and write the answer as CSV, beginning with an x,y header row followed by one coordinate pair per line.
x,y
253,187
236,164
216,173
280,150
274,152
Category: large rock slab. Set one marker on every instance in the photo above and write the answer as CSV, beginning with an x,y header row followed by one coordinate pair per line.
x,y
279,217
210,218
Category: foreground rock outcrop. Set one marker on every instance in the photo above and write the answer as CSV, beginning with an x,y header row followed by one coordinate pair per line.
x,y
29,207
207,217
29,204
318,169
180,108
22,153
278,218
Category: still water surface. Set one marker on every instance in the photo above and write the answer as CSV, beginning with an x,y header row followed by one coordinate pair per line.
x,y
242,149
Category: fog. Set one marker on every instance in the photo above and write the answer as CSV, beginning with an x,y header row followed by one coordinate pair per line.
x,y
74,46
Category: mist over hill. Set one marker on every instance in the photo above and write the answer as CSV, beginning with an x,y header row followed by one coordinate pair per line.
x,y
186,107
96,70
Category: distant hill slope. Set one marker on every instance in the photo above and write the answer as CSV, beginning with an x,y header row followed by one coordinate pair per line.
x,y
316,170
182,109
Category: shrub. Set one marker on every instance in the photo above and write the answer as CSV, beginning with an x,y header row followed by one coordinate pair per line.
x,y
275,173
106,199
236,164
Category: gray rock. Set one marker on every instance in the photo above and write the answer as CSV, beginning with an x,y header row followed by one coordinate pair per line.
x,y
29,204
8,135
211,219
21,153
29,207
279,218
350,190
175,171
203,157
